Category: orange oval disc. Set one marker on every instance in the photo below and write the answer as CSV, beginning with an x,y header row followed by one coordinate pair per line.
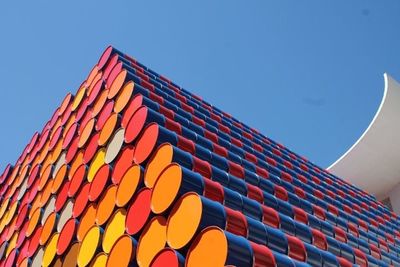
x,y
87,220
46,193
45,176
122,253
76,163
211,241
106,205
117,84
86,132
157,163
93,83
128,185
108,129
92,74
65,103
166,188
48,228
59,179
152,240
123,97
57,151
184,220
33,221
100,101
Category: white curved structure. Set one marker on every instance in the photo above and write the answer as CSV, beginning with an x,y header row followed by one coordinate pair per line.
x,y
373,162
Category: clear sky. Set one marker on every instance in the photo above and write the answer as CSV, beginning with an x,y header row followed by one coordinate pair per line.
x,y
308,74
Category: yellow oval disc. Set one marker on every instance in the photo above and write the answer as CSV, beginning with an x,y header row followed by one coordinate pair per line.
x,y
97,162
114,229
50,250
78,97
100,260
89,246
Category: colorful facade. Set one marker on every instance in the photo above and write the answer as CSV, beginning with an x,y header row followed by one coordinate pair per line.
x,y
134,170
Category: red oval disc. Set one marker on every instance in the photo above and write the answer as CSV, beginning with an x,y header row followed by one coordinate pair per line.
x,y
104,114
95,91
81,201
114,73
54,118
99,182
82,110
21,234
5,173
111,64
11,258
166,257
133,105
146,143
138,212
69,135
33,191
91,148
32,142
135,124
62,197
104,57
33,175
73,148
124,161
22,215
67,114
76,180
34,243
66,235
88,116
23,252
55,137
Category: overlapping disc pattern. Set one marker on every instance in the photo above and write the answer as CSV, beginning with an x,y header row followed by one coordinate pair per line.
x,y
133,170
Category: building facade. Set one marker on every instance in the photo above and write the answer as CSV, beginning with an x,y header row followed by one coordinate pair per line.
x,y
133,170
371,162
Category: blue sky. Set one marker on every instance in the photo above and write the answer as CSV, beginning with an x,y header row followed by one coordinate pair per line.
x,y
308,74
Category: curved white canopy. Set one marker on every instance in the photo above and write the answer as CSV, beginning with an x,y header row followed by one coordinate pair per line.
x,y
373,162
